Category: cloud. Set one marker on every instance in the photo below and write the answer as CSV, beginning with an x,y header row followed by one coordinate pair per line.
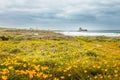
x,y
91,12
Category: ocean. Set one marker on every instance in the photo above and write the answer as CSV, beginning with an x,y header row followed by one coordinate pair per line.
x,y
111,33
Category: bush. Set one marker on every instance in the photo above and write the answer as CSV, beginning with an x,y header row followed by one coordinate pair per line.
x,y
4,38
91,53
19,38
15,50
95,72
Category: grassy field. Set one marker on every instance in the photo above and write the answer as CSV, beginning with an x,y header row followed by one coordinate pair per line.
x,y
51,56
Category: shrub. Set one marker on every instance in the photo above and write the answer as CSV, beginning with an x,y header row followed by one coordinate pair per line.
x,y
19,38
4,38
95,72
15,50
91,53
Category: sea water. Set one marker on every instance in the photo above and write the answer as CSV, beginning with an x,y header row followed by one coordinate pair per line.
x,y
92,33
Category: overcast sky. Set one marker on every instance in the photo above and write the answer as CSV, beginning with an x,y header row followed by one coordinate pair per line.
x,y
60,14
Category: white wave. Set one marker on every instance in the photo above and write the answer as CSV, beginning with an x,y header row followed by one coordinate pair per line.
x,y
89,34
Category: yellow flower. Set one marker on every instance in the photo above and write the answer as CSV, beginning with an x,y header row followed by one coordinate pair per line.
x,y
23,72
4,71
94,66
68,68
105,70
62,77
98,67
56,79
31,76
65,71
109,76
24,65
116,75
31,73
95,77
37,68
50,75
69,75
4,77
115,71
75,66
39,74
10,68
45,76
85,71
17,71
44,68
101,77
105,62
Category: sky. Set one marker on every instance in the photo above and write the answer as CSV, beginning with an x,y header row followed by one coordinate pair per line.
x,y
60,14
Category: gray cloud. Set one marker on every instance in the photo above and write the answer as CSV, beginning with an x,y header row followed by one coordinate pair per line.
x,y
66,12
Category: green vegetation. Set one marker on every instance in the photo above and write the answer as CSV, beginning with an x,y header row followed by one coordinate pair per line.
x,y
21,34
57,57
